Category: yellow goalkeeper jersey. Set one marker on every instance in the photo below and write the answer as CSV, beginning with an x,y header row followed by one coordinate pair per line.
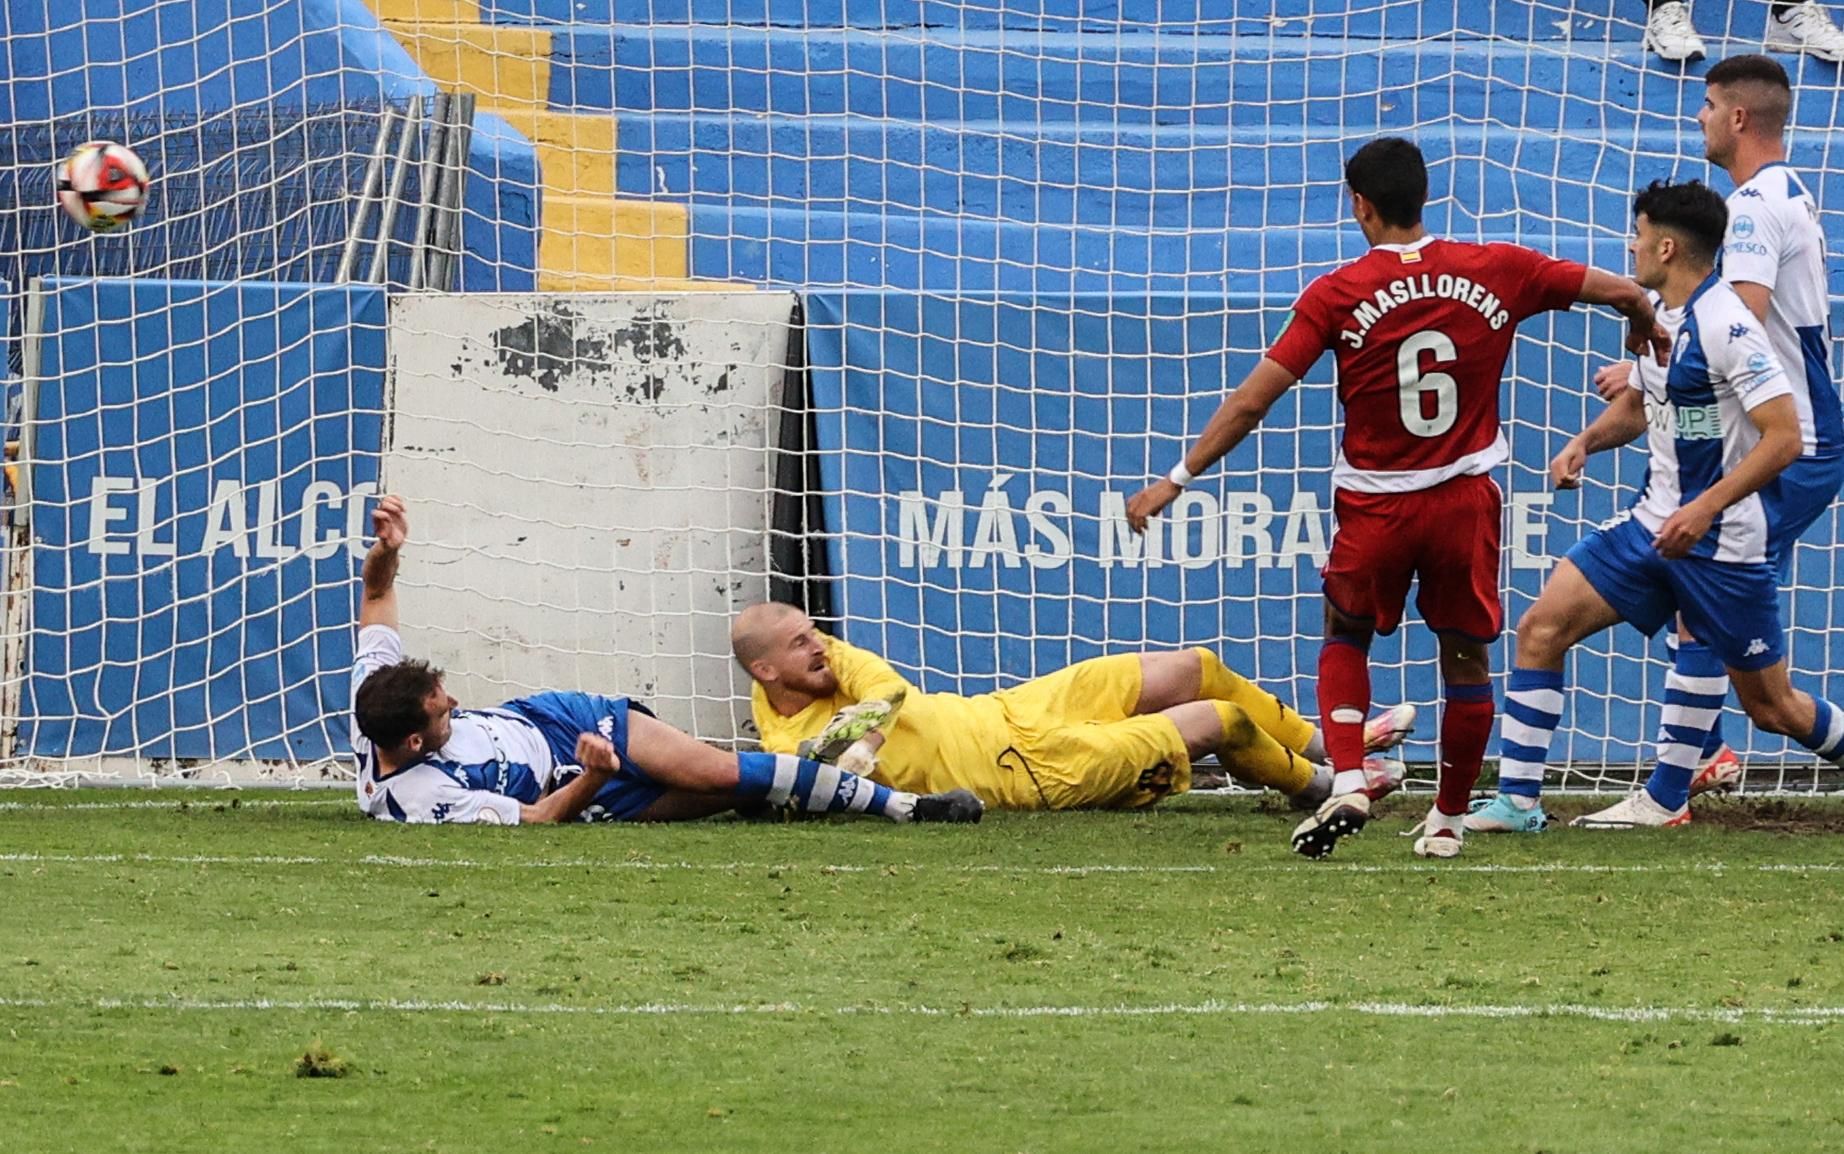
x,y
939,741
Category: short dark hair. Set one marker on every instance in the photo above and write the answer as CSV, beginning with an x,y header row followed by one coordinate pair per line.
x,y
1752,67
1390,173
389,703
1692,210
1763,89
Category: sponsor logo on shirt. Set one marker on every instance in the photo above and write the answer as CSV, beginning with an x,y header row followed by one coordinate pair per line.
x,y
1760,370
1742,227
1746,247
1699,423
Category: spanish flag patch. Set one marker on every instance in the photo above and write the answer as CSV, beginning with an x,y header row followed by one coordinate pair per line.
x,y
1412,256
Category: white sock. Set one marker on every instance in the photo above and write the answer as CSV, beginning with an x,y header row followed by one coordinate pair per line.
x,y
1348,781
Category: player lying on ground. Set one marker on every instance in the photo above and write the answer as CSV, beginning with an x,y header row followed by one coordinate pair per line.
x,y
1774,256
1720,424
1421,328
558,756
1109,733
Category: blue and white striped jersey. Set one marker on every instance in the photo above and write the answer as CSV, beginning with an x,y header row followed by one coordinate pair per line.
x,y
1774,240
1722,366
493,761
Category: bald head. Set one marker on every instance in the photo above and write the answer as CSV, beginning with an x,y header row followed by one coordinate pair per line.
x,y
757,628
780,649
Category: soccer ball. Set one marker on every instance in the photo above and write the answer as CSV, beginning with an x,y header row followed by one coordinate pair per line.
x,y
101,185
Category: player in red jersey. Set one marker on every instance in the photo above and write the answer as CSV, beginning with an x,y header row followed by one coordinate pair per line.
x,y
1421,328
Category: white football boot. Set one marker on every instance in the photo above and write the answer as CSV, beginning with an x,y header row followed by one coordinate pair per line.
x,y
1636,811
1805,28
1670,34
1339,817
1388,729
1441,835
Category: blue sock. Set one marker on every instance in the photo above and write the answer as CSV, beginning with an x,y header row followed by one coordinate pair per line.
x,y
781,778
1827,736
1694,692
1533,708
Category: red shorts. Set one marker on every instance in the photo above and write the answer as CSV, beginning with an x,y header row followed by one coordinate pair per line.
x,y
1447,537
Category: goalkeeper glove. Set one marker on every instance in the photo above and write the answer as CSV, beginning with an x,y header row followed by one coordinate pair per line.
x,y
850,724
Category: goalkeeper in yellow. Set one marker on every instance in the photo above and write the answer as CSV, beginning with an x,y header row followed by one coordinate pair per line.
x,y
1114,732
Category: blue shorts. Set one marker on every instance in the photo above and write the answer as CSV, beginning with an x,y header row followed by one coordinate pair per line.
x,y
1795,499
1733,607
561,717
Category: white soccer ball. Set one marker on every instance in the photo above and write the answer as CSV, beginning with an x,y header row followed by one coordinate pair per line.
x,y
101,185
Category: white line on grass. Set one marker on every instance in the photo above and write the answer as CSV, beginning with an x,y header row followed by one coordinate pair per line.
x,y
649,865
176,802
1792,1016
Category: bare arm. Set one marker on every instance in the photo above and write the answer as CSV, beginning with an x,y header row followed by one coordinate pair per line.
x,y
378,606
597,757
1756,296
1779,446
1233,421
1625,296
1620,423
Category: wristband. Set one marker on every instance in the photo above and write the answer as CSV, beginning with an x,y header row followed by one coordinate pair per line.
x,y
1180,476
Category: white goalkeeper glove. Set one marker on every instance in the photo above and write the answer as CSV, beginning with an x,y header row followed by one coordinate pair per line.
x,y
860,758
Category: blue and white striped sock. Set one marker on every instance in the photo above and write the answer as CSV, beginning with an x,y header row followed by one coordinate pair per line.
x,y
780,778
1533,708
1713,740
1827,736
1694,692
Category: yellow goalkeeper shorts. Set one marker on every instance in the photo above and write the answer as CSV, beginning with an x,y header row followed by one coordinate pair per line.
x,y
1078,745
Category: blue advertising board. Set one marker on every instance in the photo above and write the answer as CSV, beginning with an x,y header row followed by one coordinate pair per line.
x,y
977,455
200,457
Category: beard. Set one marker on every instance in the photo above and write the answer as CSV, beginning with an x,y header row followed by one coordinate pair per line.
x,y
819,682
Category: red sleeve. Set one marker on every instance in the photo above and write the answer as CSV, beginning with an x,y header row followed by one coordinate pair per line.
x,y
1307,334
1540,283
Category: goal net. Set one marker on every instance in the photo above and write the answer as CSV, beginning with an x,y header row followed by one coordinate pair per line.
x,y
885,307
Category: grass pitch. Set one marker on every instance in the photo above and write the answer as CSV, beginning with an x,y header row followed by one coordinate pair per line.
x,y
281,974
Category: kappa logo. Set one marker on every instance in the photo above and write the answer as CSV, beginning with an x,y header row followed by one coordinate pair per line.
x,y
1737,332
1754,192
1755,648
606,727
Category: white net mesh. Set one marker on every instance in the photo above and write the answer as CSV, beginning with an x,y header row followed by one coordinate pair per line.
x,y
1033,241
